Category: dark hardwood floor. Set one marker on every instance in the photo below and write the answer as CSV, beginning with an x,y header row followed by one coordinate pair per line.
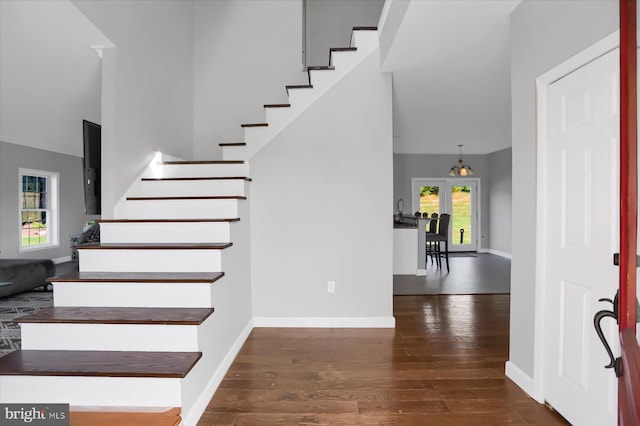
x,y
442,365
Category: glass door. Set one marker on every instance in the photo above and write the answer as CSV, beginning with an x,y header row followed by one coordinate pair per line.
x,y
457,197
462,196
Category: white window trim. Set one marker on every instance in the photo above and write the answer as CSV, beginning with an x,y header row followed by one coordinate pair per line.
x,y
54,198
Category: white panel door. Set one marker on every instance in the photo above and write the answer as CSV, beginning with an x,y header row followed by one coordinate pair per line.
x,y
581,236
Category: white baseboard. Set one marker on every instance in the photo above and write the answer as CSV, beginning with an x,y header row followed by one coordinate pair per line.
x,y
192,417
497,253
519,377
421,272
325,322
61,259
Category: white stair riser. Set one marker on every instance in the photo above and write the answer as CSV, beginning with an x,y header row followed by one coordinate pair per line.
x,y
145,295
177,188
200,170
165,232
109,260
110,337
234,152
182,209
279,117
300,99
364,40
347,59
96,391
321,79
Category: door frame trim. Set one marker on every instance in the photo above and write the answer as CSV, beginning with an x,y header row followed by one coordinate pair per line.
x,y
543,82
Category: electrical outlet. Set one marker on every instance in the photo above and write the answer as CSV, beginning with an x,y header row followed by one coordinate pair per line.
x,y
331,287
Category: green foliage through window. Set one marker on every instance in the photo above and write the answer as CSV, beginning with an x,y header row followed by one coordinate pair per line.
x,y
34,211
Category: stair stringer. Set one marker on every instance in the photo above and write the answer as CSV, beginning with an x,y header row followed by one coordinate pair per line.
x,y
301,99
229,325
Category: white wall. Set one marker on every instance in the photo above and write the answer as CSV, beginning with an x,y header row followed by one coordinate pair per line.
x,y
151,72
245,53
71,201
499,193
321,206
543,34
49,75
408,166
329,24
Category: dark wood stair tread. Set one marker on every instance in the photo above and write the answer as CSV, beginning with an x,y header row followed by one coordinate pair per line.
x,y
232,144
231,219
197,178
254,125
321,68
98,363
117,315
198,197
181,163
140,277
299,86
277,105
154,246
343,49
130,416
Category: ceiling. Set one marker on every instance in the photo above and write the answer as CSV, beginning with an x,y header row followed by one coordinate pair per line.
x,y
50,76
450,63
451,77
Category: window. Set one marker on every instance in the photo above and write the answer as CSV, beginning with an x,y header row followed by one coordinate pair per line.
x,y
38,209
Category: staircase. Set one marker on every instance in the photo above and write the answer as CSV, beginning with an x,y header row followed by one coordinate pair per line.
x,y
161,306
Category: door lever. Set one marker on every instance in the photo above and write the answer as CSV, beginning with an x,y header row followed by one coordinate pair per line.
x,y
615,363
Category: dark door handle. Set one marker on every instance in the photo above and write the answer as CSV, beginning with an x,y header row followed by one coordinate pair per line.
x,y
615,363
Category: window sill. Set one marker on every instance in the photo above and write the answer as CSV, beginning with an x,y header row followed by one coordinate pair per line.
x,y
38,247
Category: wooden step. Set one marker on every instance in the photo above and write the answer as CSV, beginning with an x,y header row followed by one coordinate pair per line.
x,y
113,315
154,246
298,86
233,144
342,49
212,197
233,219
361,29
197,178
277,105
254,125
321,68
178,163
98,363
154,256
149,289
130,416
139,277
167,230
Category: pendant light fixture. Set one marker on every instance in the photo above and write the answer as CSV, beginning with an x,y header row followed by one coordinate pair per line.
x,y
461,169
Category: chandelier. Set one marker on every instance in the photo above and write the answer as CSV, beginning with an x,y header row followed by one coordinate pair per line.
x,y
461,169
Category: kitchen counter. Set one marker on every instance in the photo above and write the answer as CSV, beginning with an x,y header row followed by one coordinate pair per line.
x,y
409,246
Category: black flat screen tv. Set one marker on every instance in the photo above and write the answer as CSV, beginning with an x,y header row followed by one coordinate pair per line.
x,y
91,164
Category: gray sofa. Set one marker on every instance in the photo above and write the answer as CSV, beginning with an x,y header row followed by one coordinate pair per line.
x,y
18,275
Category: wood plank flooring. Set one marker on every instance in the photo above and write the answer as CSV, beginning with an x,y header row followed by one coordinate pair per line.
x,y
442,365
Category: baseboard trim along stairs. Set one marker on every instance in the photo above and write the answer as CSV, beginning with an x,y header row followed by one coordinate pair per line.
x,y
146,330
